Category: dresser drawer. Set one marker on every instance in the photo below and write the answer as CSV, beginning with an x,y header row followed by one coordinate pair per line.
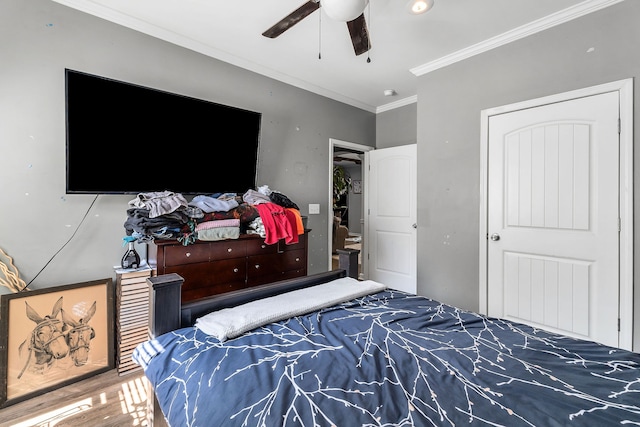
x,y
208,274
225,249
263,266
260,265
282,246
259,247
293,260
228,270
180,255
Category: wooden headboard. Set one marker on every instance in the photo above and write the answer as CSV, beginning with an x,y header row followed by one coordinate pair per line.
x,y
168,313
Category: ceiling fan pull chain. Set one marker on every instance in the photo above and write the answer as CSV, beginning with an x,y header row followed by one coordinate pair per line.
x,y
369,36
320,33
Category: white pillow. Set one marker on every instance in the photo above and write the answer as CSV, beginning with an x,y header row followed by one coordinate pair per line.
x,y
232,322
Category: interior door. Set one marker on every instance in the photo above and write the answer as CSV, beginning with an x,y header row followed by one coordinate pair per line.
x,y
553,217
391,205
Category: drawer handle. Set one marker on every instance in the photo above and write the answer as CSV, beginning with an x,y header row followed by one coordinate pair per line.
x,y
297,259
188,254
264,246
229,250
257,266
235,270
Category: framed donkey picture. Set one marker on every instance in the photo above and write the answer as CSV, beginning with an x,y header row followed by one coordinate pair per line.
x,y
53,337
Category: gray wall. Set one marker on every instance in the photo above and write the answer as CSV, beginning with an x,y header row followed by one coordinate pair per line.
x,y
38,220
450,101
396,127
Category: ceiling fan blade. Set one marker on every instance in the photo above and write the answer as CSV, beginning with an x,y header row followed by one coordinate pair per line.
x,y
292,19
359,35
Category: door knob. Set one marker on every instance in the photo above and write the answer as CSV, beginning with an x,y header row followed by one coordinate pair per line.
x,y
495,237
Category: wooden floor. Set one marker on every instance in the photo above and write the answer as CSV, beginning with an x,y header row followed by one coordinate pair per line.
x,y
104,400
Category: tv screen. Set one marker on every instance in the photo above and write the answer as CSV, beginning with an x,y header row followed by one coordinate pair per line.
x,y
124,138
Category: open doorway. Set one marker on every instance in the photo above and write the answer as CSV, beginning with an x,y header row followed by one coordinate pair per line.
x,y
347,222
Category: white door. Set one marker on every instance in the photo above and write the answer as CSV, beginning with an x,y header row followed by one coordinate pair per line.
x,y
553,217
391,205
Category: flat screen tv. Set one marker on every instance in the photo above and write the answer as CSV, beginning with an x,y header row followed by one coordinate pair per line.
x,y
124,138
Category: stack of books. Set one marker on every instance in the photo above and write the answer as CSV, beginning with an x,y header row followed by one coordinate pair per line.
x,y
132,314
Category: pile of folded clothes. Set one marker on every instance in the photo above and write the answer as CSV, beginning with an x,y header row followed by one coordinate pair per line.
x,y
168,215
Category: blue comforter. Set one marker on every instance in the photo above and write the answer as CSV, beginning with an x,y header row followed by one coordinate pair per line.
x,y
391,359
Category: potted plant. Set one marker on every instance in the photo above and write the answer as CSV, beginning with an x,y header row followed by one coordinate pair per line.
x,y
341,182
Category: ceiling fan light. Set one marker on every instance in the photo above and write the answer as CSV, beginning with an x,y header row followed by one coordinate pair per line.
x,y
343,10
417,7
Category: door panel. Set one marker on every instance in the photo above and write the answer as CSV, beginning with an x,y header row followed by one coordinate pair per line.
x,y
392,206
549,291
553,209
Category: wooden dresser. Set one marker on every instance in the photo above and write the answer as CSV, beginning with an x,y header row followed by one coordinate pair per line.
x,y
215,267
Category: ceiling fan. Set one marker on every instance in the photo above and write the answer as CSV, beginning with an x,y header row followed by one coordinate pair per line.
x,y
350,11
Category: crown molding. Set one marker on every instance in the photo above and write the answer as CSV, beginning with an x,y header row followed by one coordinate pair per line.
x,y
533,27
397,104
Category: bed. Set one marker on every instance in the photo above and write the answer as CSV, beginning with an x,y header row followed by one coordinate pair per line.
x,y
372,356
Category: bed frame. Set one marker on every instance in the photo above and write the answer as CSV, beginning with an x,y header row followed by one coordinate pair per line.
x,y
168,313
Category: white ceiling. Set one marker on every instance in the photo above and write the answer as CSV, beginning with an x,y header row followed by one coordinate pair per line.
x,y
404,46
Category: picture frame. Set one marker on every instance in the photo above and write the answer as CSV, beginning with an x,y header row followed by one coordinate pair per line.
x,y
55,336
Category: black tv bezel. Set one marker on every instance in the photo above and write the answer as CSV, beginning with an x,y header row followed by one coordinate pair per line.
x,y
140,187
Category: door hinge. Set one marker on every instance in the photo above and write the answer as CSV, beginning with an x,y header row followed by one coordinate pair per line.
x,y
619,126
619,224
618,324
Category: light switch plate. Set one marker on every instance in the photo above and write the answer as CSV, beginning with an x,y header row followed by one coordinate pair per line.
x,y
314,208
